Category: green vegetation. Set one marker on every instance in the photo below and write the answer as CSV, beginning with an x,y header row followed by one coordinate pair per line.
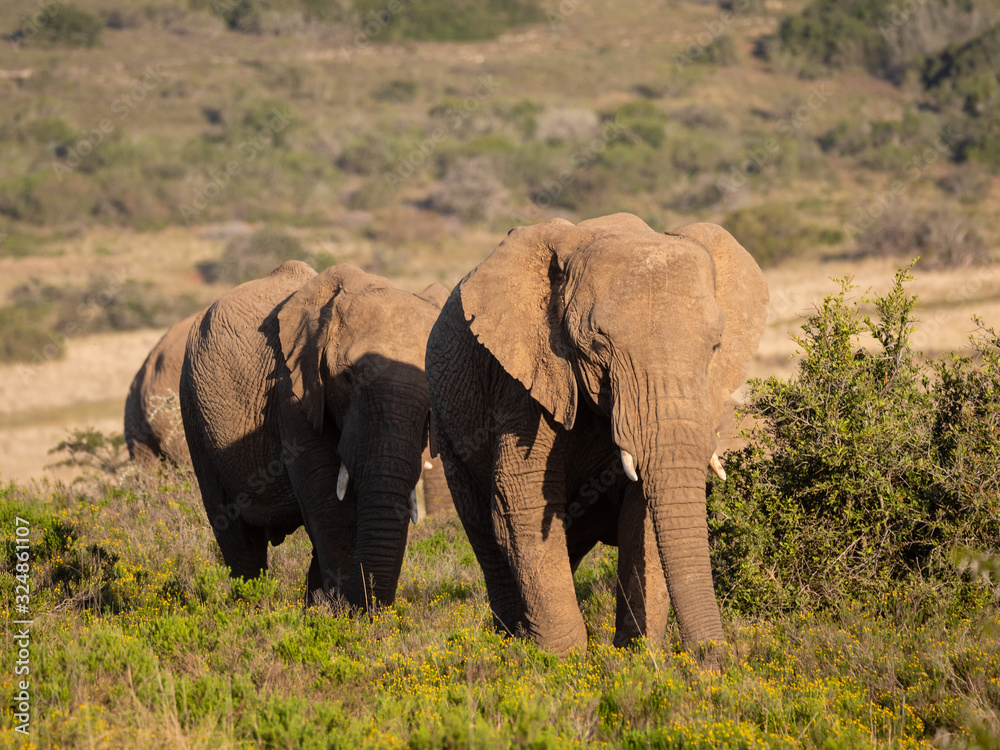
x,y
342,145
964,81
884,37
148,643
449,20
59,23
252,256
865,474
771,232
42,316
92,449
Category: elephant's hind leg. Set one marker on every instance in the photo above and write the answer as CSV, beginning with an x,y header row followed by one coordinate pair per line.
x,y
244,547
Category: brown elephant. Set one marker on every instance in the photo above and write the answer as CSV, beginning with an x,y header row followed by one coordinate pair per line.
x,y
153,427
576,378
154,430
304,402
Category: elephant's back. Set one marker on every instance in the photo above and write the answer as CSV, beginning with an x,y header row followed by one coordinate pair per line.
x,y
230,368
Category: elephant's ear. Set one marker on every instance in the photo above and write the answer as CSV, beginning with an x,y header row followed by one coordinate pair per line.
x,y
741,290
436,294
307,322
513,304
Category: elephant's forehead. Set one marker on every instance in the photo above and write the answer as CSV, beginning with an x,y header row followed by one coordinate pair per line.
x,y
393,325
633,263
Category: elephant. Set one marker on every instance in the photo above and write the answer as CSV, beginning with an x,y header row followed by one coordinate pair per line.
x,y
305,403
153,428
576,376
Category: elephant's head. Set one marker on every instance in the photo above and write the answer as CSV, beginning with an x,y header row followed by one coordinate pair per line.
x,y
653,331
354,348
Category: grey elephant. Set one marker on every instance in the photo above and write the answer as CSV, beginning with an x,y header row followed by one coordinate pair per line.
x,y
153,428
576,378
304,402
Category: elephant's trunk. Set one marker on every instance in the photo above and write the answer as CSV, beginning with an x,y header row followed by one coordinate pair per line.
x,y
674,443
381,446
383,495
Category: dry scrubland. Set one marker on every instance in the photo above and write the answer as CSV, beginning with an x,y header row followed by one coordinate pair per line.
x,y
828,148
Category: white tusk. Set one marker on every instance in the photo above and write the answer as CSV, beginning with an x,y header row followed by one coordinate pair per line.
x,y
428,465
629,463
342,480
717,465
413,505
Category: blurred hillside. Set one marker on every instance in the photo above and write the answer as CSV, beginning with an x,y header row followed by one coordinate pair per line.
x,y
155,152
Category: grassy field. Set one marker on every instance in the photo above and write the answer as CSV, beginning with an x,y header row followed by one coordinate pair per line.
x,y
140,639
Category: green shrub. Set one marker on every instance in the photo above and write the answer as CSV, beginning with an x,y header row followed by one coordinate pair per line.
x,y
638,122
942,238
23,338
721,51
838,34
61,24
965,73
963,81
89,448
253,256
885,37
771,232
42,315
865,472
398,91
451,20
888,145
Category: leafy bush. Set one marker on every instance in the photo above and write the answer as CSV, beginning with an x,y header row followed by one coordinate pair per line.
x,y
838,34
399,91
450,20
253,256
89,448
939,236
865,473
638,122
963,81
23,338
883,144
61,24
772,232
469,190
42,316
885,37
721,51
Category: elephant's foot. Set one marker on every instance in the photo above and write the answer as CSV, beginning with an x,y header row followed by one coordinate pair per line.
x,y
560,638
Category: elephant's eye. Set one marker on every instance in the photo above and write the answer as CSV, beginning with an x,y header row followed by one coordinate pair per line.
x,y
349,378
717,346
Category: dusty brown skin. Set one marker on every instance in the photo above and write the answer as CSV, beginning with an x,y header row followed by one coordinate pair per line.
x,y
153,428
566,346
285,380
154,431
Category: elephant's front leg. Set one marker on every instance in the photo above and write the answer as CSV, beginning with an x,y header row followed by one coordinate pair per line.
x,y
529,499
641,602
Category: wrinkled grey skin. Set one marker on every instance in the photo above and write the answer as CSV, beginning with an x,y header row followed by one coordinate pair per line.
x,y
565,347
153,428
287,378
